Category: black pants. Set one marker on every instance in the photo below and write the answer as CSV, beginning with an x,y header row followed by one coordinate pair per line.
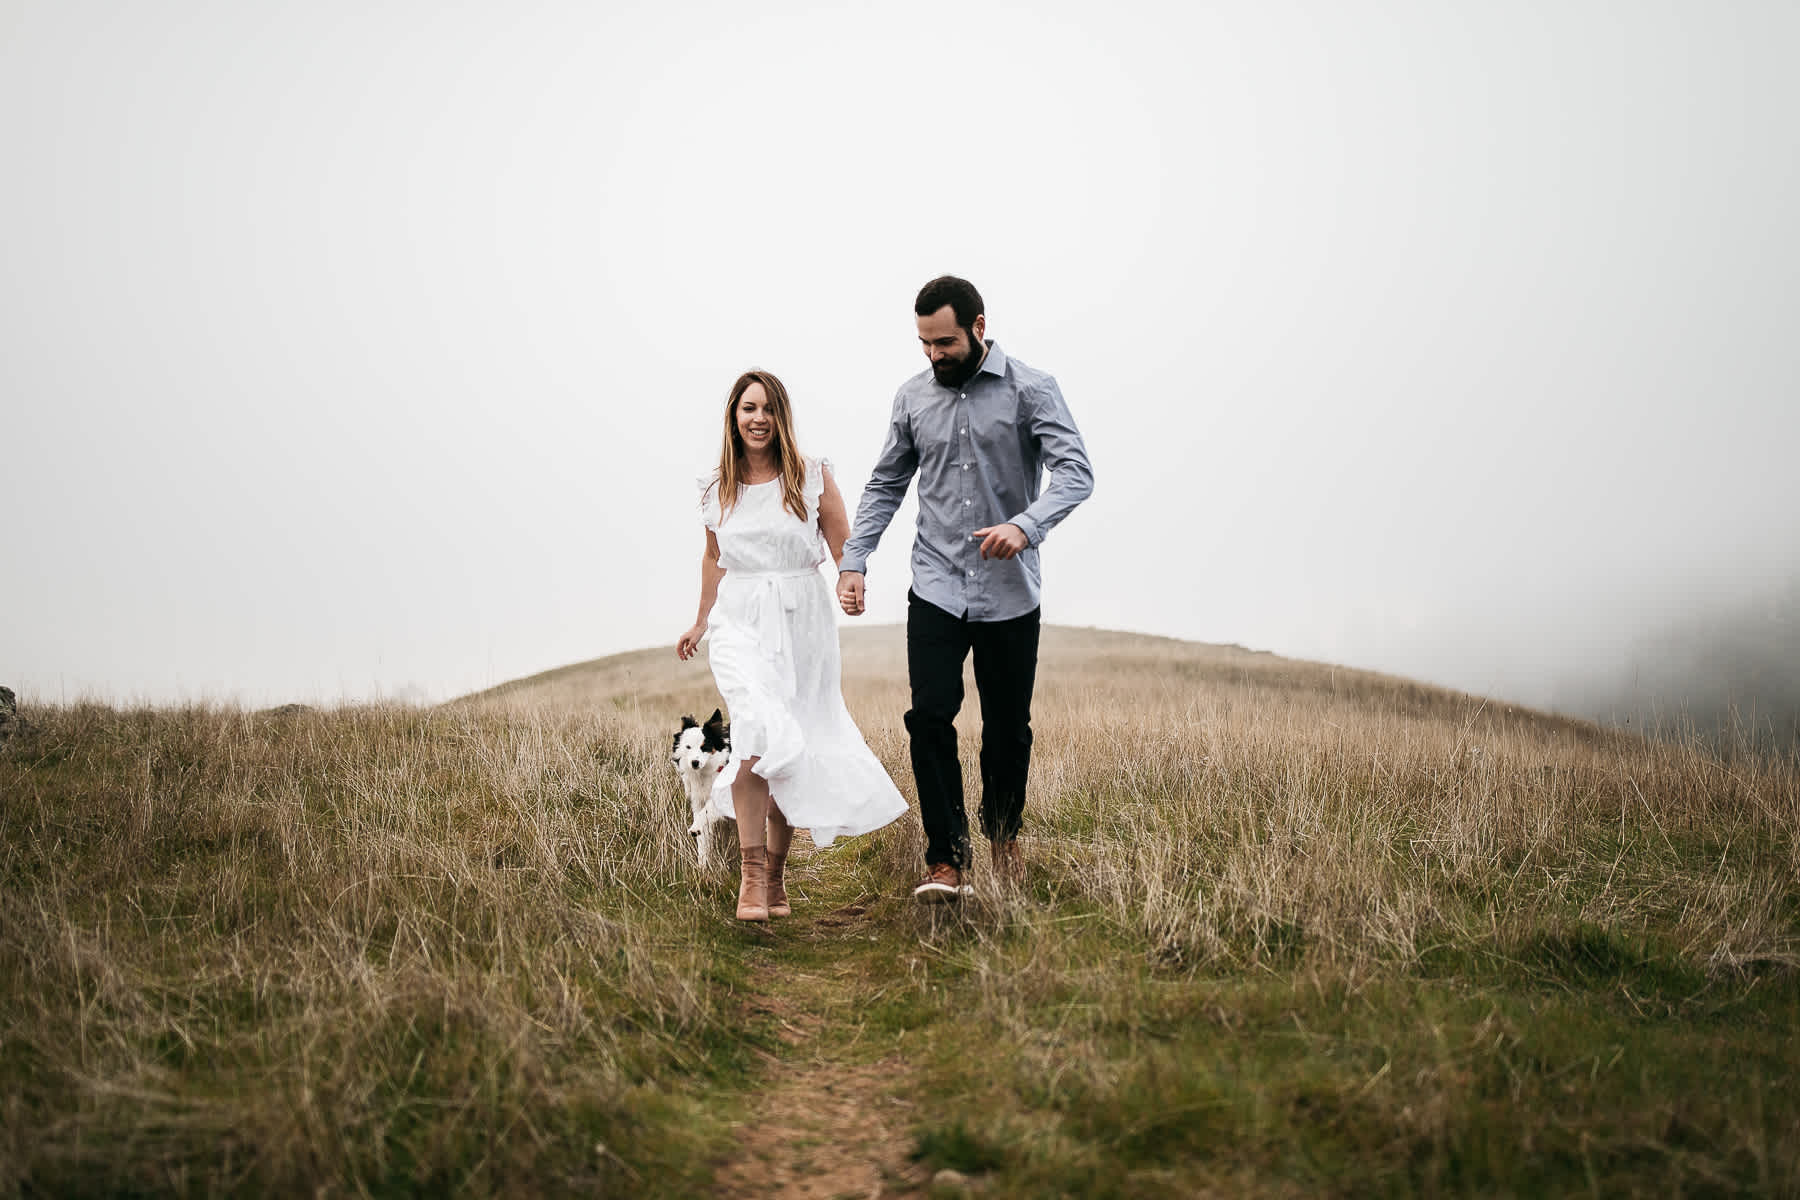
x,y
1005,670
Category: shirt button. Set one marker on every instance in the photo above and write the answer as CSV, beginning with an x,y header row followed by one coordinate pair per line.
x,y
963,396
971,574
966,503
966,466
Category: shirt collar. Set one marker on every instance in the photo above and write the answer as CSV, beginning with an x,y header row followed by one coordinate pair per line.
x,y
995,363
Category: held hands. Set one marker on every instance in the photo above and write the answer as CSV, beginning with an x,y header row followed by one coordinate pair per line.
x,y
1001,541
689,645
850,592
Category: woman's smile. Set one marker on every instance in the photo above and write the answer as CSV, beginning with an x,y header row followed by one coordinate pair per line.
x,y
755,423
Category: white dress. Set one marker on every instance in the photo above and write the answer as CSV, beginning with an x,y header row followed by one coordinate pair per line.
x,y
774,652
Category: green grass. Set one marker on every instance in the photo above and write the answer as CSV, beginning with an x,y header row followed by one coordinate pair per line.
x,y
1537,1077
387,952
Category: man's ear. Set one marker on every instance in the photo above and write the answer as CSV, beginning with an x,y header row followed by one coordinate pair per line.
x,y
979,328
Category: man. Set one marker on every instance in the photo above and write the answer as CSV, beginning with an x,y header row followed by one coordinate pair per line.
x,y
977,428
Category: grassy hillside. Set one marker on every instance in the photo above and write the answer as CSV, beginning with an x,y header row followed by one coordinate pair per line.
x,y
1288,930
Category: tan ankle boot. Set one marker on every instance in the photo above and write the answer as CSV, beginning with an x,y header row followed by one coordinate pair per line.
x,y
753,884
777,889
780,835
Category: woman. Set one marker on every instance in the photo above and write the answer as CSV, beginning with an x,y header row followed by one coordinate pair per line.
x,y
797,759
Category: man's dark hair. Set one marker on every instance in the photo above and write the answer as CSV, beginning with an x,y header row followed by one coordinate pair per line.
x,y
959,294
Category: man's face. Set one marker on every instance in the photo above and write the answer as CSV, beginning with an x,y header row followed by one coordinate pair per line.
x,y
953,353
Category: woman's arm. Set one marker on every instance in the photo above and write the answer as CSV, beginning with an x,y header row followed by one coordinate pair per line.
x,y
834,522
710,574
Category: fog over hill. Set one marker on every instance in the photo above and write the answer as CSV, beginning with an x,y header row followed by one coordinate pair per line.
x,y
1730,672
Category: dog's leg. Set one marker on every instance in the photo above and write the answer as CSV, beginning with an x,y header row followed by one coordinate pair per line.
x,y
703,841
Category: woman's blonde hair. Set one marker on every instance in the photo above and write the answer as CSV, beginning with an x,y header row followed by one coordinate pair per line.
x,y
787,452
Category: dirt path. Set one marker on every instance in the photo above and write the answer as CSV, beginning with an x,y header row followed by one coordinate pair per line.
x,y
822,1126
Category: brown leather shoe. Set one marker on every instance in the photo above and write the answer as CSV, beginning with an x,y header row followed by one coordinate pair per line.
x,y
1009,862
777,889
942,882
753,884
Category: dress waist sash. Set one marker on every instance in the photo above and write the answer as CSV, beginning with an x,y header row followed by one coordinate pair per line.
x,y
777,573
765,599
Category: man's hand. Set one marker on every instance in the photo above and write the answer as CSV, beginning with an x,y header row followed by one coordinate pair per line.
x,y
850,592
1001,541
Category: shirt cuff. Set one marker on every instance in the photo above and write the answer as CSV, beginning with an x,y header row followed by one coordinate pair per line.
x,y
853,562
1028,527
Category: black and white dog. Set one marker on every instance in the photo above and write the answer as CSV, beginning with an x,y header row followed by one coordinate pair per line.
x,y
700,753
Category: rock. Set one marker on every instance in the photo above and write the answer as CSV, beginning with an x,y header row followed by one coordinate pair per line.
x,y
951,1183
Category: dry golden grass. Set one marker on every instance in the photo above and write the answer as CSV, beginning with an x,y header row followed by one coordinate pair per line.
x,y
258,952
1209,792
1436,943
1218,799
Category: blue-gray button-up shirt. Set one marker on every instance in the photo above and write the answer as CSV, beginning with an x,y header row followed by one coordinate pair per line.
x,y
978,451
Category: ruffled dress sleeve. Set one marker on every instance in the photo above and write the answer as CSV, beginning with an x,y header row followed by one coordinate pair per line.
x,y
814,486
709,499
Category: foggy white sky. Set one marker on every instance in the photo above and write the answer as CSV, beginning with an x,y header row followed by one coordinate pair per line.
x,y
354,349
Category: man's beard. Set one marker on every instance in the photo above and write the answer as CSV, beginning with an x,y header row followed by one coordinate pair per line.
x,y
954,372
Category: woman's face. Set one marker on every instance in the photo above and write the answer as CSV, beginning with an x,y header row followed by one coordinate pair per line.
x,y
755,423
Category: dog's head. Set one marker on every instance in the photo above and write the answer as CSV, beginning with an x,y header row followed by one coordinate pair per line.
x,y
698,746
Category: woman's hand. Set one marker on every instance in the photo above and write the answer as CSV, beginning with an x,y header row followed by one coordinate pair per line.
x,y
850,592
689,645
